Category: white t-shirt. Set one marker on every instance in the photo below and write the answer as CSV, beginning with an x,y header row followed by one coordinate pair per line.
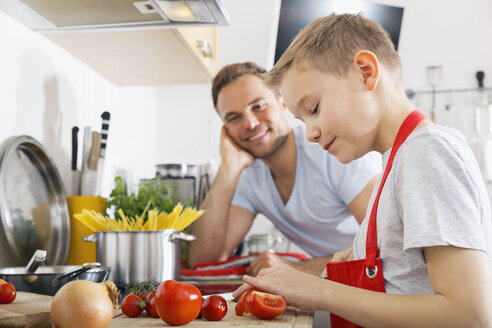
x,y
434,195
316,216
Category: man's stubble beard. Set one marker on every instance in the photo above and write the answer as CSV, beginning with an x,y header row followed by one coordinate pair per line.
x,y
277,144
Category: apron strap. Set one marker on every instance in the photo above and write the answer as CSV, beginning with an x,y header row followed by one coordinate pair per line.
x,y
372,250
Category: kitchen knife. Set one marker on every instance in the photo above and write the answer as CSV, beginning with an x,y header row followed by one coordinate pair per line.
x,y
86,147
75,131
102,151
94,152
75,172
89,176
104,133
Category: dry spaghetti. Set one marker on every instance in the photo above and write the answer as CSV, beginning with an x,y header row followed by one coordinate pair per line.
x,y
178,219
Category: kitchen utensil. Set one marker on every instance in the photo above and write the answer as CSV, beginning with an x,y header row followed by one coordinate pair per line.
x,y
48,279
140,255
85,267
89,175
38,258
33,208
102,150
86,147
75,131
75,172
94,152
434,77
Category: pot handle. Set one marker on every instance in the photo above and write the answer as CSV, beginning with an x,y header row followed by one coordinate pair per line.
x,y
180,235
90,238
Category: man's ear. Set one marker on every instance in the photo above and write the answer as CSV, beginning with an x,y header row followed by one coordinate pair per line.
x,y
282,103
367,65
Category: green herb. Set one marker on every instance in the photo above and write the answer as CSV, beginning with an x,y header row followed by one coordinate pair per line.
x,y
159,195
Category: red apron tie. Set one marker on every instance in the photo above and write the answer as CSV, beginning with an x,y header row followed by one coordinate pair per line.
x,y
368,273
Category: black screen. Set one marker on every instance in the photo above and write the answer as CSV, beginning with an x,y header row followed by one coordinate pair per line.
x,y
295,14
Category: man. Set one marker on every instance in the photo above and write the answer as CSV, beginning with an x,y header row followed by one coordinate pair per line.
x,y
267,167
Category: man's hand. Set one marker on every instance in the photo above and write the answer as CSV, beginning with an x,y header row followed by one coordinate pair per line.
x,y
265,260
232,155
312,266
342,256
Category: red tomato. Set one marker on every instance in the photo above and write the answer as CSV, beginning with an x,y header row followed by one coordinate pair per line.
x,y
199,316
7,293
177,303
132,305
263,305
240,307
214,308
150,308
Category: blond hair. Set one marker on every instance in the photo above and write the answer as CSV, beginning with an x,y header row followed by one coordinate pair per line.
x,y
330,43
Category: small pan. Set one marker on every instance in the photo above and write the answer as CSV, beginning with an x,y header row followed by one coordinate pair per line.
x,y
48,279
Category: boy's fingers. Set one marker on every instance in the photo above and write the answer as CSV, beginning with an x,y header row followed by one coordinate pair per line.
x,y
242,289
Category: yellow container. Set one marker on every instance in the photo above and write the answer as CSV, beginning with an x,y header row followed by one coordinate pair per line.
x,y
80,251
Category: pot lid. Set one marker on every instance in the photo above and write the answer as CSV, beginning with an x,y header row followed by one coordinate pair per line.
x,y
33,209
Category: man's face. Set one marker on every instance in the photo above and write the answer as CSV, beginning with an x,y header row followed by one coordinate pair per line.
x,y
339,112
253,116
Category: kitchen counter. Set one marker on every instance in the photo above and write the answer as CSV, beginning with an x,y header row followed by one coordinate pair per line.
x,y
33,310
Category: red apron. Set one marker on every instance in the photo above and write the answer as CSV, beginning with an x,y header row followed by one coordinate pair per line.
x,y
368,273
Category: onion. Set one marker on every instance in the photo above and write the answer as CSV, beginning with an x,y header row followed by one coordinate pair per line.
x,y
84,304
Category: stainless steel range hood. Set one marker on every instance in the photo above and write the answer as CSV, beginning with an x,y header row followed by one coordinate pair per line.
x,y
53,15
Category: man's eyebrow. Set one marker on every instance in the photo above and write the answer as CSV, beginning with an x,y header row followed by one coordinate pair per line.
x,y
229,114
255,100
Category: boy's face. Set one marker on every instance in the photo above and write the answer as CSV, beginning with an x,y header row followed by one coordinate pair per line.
x,y
253,116
339,112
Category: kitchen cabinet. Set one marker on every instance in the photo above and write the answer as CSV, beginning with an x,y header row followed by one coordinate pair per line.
x,y
150,56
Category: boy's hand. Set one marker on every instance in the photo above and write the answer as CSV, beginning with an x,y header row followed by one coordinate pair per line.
x,y
232,155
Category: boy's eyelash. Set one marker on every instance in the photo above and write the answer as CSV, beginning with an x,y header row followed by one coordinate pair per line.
x,y
315,110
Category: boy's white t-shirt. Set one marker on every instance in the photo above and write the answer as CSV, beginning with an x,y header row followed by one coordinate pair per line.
x,y
316,216
434,195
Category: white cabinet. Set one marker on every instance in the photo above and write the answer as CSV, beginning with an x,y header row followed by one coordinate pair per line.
x,y
145,57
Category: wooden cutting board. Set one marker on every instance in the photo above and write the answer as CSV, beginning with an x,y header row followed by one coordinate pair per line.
x,y
28,310
291,318
33,311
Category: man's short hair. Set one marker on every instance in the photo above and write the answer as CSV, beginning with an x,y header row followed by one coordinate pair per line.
x,y
231,73
330,43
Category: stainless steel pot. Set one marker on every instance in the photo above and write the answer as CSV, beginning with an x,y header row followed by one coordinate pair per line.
x,y
140,255
48,279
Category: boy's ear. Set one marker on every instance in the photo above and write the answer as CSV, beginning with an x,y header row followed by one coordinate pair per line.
x,y
367,65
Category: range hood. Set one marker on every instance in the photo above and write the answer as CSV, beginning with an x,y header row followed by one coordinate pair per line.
x,y
59,15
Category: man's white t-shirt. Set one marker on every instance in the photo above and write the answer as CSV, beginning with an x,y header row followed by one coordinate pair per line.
x,y
434,195
316,216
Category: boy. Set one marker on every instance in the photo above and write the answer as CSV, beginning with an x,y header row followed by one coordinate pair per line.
x,y
341,76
